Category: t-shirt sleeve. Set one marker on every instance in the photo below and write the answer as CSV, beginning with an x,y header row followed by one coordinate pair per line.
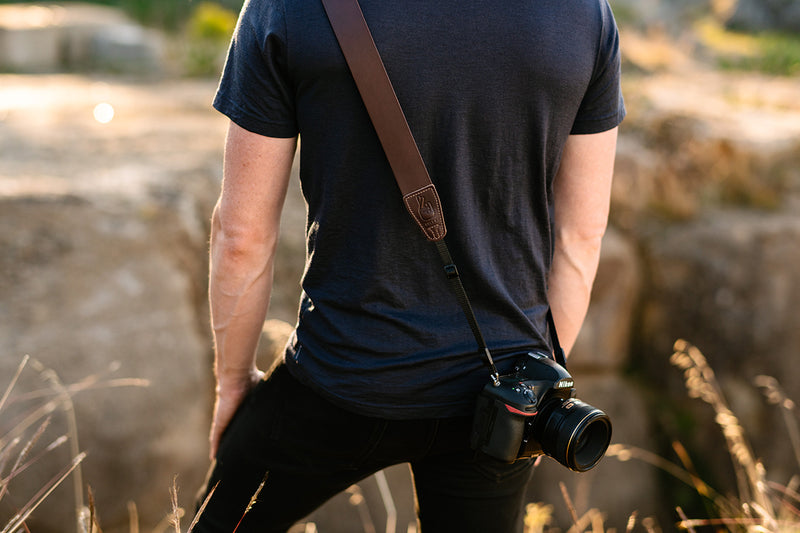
x,y
603,107
255,91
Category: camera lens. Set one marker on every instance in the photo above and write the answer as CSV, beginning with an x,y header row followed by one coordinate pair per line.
x,y
573,433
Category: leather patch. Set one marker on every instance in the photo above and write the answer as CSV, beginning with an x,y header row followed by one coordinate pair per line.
x,y
426,209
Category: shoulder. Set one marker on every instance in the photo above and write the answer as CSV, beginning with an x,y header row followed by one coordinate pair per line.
x,y
596,14
261,16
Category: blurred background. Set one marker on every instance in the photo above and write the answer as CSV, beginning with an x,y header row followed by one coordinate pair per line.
x,y
110,163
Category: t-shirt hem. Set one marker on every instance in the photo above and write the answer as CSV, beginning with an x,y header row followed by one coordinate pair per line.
x,y
252,124
386,411
598,126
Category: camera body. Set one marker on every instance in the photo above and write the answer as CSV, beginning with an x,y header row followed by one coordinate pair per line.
x,y
533,411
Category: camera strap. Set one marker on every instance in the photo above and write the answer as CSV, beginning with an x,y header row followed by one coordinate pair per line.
x,y
419,193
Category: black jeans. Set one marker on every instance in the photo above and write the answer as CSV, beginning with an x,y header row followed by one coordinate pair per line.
x,y
308,450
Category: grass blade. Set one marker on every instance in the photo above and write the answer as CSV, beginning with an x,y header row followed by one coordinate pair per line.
x,y
202,508
14,379
133,518
19,519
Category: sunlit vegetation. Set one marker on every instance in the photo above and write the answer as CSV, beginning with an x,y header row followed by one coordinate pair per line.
x,y
768,52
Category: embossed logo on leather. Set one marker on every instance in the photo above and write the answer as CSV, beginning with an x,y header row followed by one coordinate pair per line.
x,y
426,210
425,207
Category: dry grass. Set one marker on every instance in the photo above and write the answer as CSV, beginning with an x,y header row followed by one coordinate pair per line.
x,y
539,516
758,505
21,449
25,442
18,448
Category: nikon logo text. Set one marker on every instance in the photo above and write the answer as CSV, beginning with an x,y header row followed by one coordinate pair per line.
x,y
565,384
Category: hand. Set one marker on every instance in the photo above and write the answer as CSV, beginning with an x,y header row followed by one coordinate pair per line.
x,y
229,398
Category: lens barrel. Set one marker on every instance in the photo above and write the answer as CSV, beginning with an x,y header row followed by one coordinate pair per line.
x,y
573,433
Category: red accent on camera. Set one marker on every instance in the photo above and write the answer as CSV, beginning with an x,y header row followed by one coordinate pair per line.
x,y
518,412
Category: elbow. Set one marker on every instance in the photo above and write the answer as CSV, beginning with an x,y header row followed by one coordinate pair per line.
x,y
240,243
587,237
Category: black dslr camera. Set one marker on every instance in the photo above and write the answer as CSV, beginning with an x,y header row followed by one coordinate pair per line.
x,y
533,411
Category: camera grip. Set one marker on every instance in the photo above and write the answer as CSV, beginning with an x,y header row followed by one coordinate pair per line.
x,y
496,431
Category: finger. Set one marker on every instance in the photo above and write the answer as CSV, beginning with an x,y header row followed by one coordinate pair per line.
x,y
213,442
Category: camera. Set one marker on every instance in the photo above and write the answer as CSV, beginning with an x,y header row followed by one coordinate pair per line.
x,y
533,411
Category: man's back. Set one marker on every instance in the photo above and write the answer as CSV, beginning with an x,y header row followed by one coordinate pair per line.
x,y
383,369
491,94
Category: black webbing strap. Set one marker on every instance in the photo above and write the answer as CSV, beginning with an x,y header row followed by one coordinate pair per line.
x,y
454,278
558,351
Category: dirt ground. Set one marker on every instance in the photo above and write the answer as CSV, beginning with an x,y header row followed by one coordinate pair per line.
x,y
51,140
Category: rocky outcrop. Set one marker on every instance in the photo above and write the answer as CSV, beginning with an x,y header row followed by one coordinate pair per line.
x,y
604,342
52,38
729,282
88,285
673,15
102,276
707,188
766,15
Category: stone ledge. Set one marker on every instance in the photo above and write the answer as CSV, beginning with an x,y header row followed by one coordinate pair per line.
x,y
49,38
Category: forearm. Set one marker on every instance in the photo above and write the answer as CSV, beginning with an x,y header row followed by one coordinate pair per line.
x,y
239,290
582,193
572,274
244,235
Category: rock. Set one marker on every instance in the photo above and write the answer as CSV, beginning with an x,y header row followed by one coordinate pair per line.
x,y
272,344
79,23
85,286
727,283
765,15
689,148
603,343
741,267
49,38
661,14
103,255
126,48
29,41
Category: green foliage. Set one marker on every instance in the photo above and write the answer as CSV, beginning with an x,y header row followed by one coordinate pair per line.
x,y
166,14
778,54
769,52
208,31
624,13
211,22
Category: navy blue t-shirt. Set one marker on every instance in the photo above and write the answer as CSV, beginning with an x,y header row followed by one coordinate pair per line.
x,y
491,93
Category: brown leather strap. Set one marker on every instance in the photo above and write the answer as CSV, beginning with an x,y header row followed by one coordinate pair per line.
x,y
419,194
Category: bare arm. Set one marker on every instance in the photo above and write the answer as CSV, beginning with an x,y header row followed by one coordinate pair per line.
x,y
582,192
244,235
